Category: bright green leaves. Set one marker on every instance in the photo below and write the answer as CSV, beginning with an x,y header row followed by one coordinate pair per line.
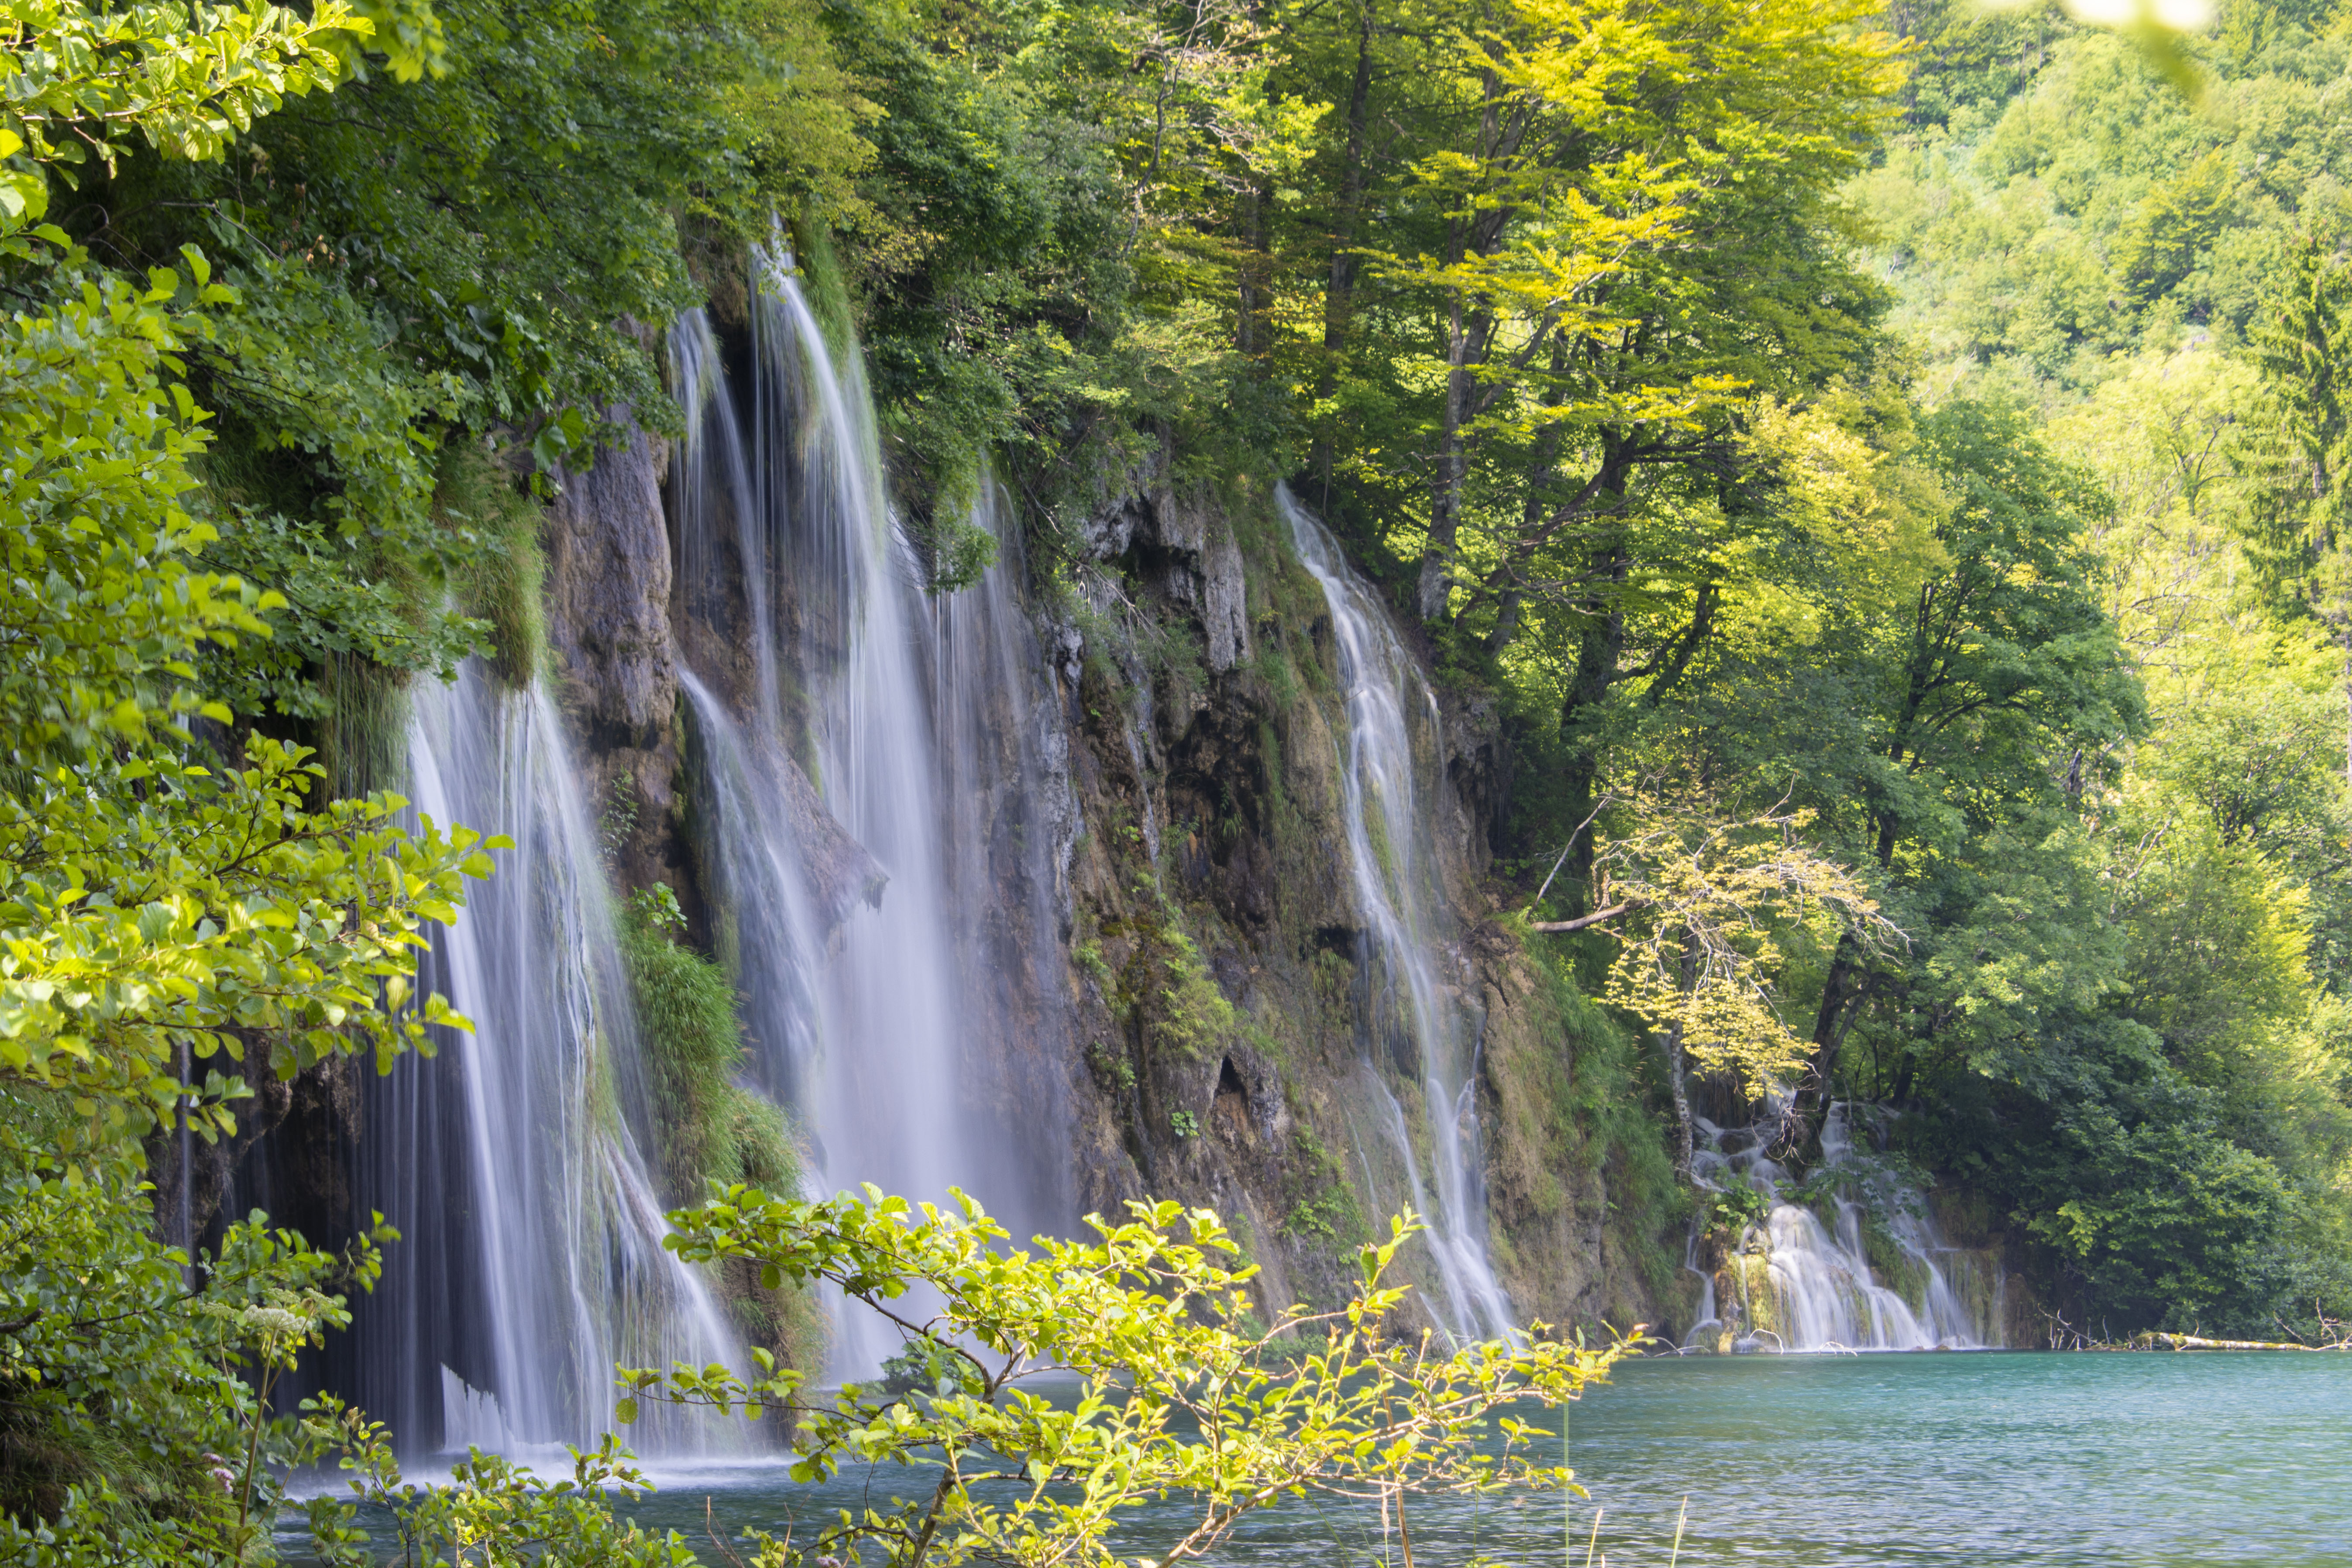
x,y
24,194
99,606
492,1511
147,902
564,433
1182,1390
407,34
110,1337
214,909
78,79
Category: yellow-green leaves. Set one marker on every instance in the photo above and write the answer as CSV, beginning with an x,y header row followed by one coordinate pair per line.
x,y
1711,905
1182,1390
216,910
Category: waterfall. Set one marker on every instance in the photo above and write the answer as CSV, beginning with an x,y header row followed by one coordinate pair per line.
x,y
534,1261
1413,1020
1799,1284
843,714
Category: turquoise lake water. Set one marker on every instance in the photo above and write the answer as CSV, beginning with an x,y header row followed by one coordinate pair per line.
x,y
2059,1462
2073,1460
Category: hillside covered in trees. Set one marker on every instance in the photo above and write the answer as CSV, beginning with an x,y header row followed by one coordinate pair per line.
x,y
1870,483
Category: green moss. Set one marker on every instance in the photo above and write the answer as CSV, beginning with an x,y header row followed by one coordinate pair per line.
x,y
494,571
823,286
1179,999
363,735
1896,1268
1271,661
1603,1095
1321,1203
500,578
1281,813
1750,1275
712,1129
1112,1069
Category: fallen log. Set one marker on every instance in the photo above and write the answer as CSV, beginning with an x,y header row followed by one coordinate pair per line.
x,y
2199,1342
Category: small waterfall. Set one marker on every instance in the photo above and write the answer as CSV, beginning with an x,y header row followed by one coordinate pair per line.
x,y
833,699
534,1261
1414,1019
1011,823
1801,1285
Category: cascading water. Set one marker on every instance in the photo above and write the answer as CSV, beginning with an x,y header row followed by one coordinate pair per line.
x,y
1416,1021
911,1033
534,1261
1012,823
1796,1284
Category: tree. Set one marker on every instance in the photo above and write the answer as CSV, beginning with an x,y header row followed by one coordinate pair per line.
x,y
1662,260
1181,1391
1615,272
171,894
1993,697
1703,908
2296,535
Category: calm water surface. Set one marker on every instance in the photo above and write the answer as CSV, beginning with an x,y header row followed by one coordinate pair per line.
x,y
2065,1461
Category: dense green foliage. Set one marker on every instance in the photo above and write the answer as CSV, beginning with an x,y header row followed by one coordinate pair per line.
x,y
2128,1030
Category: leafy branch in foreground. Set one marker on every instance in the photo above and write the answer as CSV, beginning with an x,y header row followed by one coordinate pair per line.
x,y
1181,1391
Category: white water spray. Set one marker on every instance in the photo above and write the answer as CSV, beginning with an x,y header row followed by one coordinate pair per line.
x,y
904,1028
556,1272
1817,1289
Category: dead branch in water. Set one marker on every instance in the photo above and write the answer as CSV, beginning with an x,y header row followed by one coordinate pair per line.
x,y
2199,1342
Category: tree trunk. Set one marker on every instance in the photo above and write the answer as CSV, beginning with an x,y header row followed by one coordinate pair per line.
x,y
1468,331
1597,659
1445,489
1675,1086
1800,1133
2344,636
1543,474
1338,299
1254,290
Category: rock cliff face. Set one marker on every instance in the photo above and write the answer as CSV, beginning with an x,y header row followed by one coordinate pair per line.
x,y
613,653
1213,802
1202,1020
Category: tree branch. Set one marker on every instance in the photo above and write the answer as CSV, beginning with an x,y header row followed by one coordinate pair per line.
x,y
1581,921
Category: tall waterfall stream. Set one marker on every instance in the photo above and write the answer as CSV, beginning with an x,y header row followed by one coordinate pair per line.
x,y
1413,1017
503,1328
930,743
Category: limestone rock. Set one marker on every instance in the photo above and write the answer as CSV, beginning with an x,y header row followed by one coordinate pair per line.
x,y
608,579
1186,556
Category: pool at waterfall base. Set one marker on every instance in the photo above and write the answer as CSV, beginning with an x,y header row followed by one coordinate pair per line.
x,y
1893,1460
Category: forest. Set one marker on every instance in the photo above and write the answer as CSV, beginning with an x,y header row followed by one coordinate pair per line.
x,y
1879,471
